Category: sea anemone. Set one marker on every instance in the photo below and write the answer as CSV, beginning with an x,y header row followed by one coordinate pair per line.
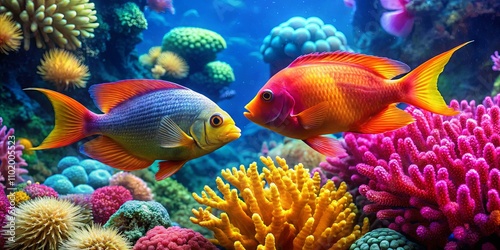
x,y
150,58
95,237
173,64
64,69
10,35
44,222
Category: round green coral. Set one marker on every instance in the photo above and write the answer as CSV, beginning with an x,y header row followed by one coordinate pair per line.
x,y
383,238
130,19
215,74
196,45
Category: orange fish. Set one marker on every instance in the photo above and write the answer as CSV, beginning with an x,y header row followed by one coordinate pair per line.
x,y
327,93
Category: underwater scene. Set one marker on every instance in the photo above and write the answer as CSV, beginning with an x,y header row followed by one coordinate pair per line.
x,y
246,124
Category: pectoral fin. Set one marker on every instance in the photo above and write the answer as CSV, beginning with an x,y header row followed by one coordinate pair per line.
x,y
168,168
107,151
326,145
171,135
313,117
390,118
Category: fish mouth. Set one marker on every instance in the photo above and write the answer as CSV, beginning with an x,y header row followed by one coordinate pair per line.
x,y
233,134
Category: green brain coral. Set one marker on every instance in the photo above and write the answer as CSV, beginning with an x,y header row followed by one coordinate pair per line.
x,y
196,45
130,19
383,238
215,74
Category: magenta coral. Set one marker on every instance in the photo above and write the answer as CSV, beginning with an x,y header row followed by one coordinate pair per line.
x,y
437,177
161,238
107,200
10,155
496,61
4,210
39,190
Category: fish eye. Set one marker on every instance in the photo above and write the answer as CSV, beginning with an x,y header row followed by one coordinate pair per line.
x,y
216,120
267,95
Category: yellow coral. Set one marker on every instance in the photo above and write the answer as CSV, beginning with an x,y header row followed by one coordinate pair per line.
x,y
10,35
18,197
53,22
173,64
281,208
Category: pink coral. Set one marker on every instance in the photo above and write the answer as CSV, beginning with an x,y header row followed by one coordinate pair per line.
x,y
10,155
177,238
107,200
496,61
4,210
437,176
39,190
137,187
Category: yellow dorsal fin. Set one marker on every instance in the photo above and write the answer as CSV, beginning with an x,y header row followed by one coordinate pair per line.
x,y
385,67
108,95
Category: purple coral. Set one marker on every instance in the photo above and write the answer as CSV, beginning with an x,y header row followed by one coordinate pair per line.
x,y
437,177
10,155
496,61
39,190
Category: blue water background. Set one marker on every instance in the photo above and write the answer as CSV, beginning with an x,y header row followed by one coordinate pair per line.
x,y
243,29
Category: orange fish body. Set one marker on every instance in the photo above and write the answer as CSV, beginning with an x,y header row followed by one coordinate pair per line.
x,y
327,93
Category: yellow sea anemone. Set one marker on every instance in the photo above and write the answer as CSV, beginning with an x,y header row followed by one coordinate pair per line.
x,y
43,223
95,238
154,52
173,64
158,71
10,35
64,69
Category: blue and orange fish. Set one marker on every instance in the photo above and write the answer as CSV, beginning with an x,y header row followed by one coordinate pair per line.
x,y
143,121
327,93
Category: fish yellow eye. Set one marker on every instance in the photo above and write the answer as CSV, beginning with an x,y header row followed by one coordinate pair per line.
x,y
267,95
216,120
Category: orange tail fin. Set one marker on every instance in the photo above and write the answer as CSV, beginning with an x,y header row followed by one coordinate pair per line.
x,y
423,91
70,118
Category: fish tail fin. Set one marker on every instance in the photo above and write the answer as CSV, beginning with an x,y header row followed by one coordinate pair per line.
x,y
71,119
421,84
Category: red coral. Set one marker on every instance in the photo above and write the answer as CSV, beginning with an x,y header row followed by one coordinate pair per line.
x,y
177,238
10,155
39,190
107,200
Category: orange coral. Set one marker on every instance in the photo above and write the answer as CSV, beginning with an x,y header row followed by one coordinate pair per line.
x,y
282,208
137,187
64,69
173,64
10,35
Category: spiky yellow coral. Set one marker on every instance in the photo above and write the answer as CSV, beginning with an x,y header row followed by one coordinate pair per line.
x,y
18,197
173,64
53,22
95,237
10,34
63,69
282,208
43,223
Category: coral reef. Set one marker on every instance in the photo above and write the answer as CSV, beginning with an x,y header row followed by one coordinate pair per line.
x,y
99,178
299,36
135,218
94,237
173,238
196,45
10,34
76,174
44,222
384,238
60,183
37,190
436,177
63,69
282,207
67,162
107,200
137,187
11,161
53,23
129,19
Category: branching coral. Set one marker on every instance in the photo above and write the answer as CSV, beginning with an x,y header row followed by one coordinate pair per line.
x,y
282,208
438,176
10,158
53,22
10,34
64,69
